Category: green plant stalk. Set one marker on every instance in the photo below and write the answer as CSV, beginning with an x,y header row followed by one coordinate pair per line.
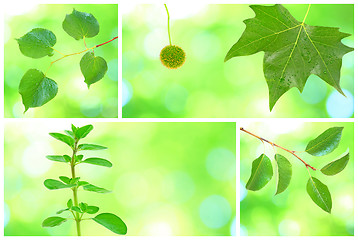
x,y
74,189
170,41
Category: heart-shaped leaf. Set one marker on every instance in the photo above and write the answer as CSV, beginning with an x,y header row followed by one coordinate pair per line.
x,y
37,43
80,25
53,184
111,222
326,142
63,138
336,166
98,161
261,173
92,188
90,147
284,173
53,221
36,89
82,132
93,68
319,193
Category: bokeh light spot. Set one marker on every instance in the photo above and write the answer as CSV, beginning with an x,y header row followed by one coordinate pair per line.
x,y
6,214
205,46
221,163
127,92
215,211
233,227
176,98
339,106
178,187
33,162
243,230
289,227
243,191
314,91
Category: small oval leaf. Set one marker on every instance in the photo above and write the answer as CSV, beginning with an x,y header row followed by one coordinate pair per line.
x,y
93,68
36,89
53,221
62,210
65,179
98,161
261,173
326,142
80,25
69,203
284,173
63,138
93,188
319,193
90,147
56,158
336,166
82,132
111,222
92,209
53,184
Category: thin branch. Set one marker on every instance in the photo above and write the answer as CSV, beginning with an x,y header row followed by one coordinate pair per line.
x,y
285,149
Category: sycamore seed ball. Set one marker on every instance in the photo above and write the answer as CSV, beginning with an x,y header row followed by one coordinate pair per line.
x,y
172,56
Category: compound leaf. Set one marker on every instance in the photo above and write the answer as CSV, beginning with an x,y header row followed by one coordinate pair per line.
x,y
37,43
93,188
90,147
36,89
82,132
293,50
261,173
326,142
63,138
319,193
80,25
111,222
53,184
336,166
284,173
93,68
53,221
98,161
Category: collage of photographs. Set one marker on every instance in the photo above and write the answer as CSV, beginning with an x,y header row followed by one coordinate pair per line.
x,y
178,119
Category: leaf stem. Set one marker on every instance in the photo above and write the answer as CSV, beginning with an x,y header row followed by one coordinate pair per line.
x,y
309,6
74,189
170,41
274,144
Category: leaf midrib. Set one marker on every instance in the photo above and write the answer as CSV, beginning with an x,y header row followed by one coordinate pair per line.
x,y
319,194
324,140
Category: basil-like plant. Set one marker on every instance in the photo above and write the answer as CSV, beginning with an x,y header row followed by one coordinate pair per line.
x,y
36,88
325,143
74,207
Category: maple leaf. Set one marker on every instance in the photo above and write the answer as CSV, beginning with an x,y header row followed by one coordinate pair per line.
x,y
293,50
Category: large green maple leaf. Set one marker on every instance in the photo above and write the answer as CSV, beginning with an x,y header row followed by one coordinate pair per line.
x,y
293,49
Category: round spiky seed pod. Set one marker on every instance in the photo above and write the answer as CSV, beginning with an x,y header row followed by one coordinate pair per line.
x,y
172,56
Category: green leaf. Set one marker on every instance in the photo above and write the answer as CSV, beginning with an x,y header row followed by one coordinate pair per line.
x,y
53,184
64,179
37,43
92,209
83,206
78,158
74,129
326,142
53,221
284,173
67,158
69,133
293,50
111,222
83,131
56,158
36,89
336,166
76,209
62,210
261,173
319,193
92,188
74,180
69,203
80,25
90,147
93,68
63,138
98,161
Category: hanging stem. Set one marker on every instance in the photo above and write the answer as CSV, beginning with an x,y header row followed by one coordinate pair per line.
x,y
274,144
170,41
74,189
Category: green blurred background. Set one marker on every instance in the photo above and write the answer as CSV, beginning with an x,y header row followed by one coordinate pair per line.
x,y
293,212
206,86
73,99
167,178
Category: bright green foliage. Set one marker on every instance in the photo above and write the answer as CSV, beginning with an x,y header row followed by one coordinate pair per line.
x,y
293,50
172,56
80,25
98,161
261,173
112,222
53,221
93,68
37,43
108,220
326,142
284,173
319,194
36,89
336,166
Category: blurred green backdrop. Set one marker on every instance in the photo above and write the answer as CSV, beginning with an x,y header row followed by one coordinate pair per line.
x,y
293,212
206,86
167,178
73,99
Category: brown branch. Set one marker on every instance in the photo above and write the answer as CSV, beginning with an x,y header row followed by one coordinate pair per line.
x,y
274,144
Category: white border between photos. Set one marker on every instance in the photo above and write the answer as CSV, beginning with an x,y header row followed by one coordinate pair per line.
x,y
238,121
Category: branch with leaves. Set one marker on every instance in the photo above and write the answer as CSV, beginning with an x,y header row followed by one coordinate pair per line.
x,y
293,50
325,143
74,207
35,87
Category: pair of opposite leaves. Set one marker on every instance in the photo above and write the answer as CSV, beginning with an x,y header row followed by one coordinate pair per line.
x,y
262,172
293,50
35,88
